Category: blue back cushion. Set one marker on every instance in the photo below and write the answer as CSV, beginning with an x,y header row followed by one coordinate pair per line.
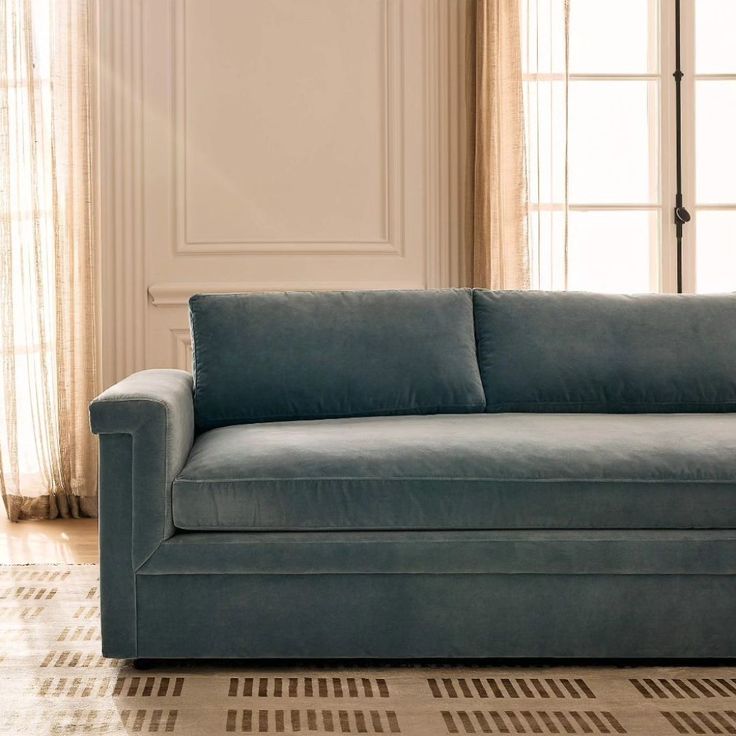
x,y
578,352
311,355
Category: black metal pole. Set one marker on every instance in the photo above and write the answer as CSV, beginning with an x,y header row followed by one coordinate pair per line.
x,y
681,214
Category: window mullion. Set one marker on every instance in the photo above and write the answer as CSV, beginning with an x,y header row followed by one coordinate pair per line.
x,y
654,102
668,241
687,45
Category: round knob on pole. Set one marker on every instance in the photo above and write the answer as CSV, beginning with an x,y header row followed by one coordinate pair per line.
x,y
681,215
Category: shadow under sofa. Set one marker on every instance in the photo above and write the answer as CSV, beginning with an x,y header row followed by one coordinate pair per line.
x,y
426,474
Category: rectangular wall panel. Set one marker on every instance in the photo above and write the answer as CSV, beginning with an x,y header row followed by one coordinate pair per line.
x,y
285,112
270,145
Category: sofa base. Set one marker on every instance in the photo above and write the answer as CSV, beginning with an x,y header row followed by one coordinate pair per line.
x,y
431,595
436,616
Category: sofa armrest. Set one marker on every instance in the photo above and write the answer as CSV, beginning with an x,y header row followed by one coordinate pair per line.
x,y
155,409
146,428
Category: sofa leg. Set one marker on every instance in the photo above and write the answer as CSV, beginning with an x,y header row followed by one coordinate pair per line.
x,y
144,664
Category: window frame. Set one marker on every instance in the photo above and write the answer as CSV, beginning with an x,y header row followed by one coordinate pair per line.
x,y
663,244
689,122
661,137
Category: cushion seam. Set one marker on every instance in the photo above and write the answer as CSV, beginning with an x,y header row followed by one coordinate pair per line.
x,y
563,402
402,479
377,412
303,528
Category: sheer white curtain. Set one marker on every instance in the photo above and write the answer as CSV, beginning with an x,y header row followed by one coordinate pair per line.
x,y
545,62
47,255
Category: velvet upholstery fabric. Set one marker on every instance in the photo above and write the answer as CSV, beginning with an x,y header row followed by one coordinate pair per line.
x,y
610,532
154,409
311,355
448,552
404,616
579,352
471,471
146,428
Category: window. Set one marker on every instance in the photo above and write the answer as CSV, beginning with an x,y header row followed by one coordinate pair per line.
x,y
29,194
712,240
601,143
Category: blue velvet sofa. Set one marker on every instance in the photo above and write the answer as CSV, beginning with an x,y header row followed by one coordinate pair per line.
x,y
427,474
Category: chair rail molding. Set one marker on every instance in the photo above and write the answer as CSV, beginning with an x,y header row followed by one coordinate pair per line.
x,y
178,294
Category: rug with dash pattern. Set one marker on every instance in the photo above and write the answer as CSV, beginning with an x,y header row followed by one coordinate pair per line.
x,y
53,680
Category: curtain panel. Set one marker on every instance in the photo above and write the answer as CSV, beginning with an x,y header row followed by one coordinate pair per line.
x,y
545,63
48,463
517,175
497,186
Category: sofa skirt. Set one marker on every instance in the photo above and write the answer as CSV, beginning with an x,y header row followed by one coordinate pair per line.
x,y
427,595
436,616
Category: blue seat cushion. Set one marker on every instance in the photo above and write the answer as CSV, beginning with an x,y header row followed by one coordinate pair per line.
x,y
471,471
580,352
316,355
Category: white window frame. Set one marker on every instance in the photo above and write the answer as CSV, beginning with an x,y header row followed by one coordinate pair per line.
x,y
687,51
661,135
663,252
667,256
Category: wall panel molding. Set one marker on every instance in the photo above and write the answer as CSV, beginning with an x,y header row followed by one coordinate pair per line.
x,y
392,240
181,348
434,141
150,266
445,137
123,286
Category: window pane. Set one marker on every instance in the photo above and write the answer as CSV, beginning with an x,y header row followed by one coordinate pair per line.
x,y
613,37
715,160
612,251
715,256
547,249
715,51
543,36
613,142
545,138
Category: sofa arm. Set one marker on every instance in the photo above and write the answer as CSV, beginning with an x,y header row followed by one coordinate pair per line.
x,y
153,411
146,428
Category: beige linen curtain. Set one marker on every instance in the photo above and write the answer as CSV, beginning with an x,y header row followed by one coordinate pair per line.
x,y
497,187
47,256
517,174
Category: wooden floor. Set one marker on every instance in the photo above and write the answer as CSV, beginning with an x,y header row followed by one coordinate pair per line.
x,y
60,540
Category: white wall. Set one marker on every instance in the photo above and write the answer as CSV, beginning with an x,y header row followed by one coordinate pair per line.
x,y
268,145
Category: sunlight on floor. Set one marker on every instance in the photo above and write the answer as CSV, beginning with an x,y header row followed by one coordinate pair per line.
x,y
60,540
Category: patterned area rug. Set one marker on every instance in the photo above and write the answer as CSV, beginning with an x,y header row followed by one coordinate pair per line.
x,y
54,681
